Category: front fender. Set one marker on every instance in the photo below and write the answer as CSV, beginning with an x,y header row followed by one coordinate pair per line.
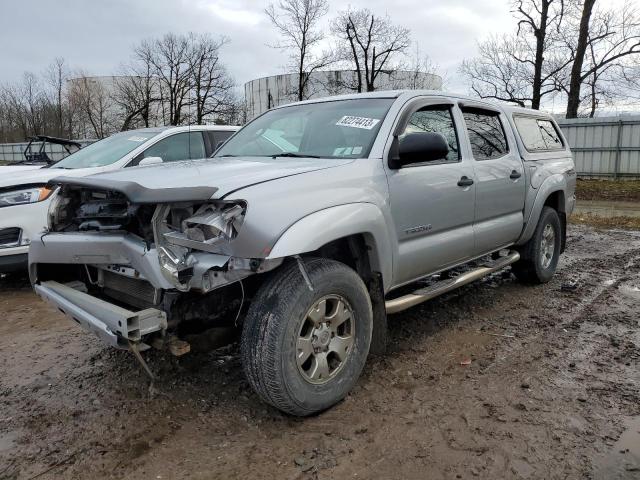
x,y
324,226
552,184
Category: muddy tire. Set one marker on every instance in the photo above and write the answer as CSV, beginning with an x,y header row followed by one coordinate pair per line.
x,y
303,350
539,256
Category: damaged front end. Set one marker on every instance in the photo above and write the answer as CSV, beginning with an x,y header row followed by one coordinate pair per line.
x,y
142,272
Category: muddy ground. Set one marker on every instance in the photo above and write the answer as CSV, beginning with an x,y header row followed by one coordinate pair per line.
x,y
552,391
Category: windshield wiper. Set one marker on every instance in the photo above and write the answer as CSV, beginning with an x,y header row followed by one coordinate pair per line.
x,y
294,155
225,155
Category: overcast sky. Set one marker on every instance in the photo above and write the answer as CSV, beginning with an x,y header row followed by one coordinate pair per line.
x,y
97,36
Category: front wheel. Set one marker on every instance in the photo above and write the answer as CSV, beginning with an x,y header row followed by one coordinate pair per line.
x,y
303,349
539,256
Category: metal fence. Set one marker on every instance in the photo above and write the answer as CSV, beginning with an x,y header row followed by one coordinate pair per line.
x,y
604,147
14,152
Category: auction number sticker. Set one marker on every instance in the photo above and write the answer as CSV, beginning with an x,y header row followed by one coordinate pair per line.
x,y
358,122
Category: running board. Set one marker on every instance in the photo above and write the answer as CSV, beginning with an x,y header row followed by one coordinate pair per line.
x,y
422,295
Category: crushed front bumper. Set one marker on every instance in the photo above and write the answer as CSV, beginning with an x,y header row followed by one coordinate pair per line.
x,y
114,325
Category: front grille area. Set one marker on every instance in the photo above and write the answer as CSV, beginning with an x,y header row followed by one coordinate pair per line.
x,y
84,210
10,237
132,291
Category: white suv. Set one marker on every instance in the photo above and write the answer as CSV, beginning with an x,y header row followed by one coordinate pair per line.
x,y
24,198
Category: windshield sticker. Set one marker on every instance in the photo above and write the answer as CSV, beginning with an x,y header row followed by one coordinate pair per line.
x,y
137,139
356,151
343,151
358,122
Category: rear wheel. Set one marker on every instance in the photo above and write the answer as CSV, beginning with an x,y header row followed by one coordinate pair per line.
x,y
539,256
303,350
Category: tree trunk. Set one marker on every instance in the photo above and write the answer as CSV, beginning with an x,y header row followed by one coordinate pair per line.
x,y
540,35
573,101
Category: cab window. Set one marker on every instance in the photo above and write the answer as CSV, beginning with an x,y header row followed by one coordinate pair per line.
x,y
486,134
436,119
538,134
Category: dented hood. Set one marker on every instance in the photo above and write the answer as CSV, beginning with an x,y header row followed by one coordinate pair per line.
x,y
195,180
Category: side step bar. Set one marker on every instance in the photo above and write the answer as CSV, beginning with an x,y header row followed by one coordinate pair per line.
x,y
422,295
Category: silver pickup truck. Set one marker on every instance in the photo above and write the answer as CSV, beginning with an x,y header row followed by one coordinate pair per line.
x,y
308,227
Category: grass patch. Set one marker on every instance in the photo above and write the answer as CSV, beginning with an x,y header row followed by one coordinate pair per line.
x,y
619,190
626,223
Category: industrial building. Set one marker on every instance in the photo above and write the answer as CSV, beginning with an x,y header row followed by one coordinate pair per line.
x,y
267,92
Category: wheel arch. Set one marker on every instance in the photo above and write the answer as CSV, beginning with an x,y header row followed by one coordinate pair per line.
x,y
362,223
551,193
358,237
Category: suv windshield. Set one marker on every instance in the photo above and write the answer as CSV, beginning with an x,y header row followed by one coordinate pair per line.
x,y
334,129
105,152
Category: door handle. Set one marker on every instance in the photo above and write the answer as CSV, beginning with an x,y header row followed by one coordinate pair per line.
x,y
515,175
465,181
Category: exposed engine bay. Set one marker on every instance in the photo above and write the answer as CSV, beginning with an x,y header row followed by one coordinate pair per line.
x,y
171,258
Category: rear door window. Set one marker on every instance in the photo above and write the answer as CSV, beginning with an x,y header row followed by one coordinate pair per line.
x,y
486,134
538,134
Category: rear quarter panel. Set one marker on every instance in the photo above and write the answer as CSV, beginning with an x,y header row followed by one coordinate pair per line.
x,y
546,172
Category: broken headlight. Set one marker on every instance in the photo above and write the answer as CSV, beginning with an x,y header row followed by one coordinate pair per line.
x,y
180,229
213,224
210,225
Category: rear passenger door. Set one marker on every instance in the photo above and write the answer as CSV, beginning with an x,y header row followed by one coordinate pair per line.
x,y
500,180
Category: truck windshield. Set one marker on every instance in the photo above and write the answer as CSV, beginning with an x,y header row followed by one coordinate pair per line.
x,y
105,152
334,129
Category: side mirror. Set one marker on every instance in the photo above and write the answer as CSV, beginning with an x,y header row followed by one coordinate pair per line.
x,y
419,147
150,161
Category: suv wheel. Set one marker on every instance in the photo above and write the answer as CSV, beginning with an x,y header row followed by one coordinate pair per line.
x,y
539,256
303,350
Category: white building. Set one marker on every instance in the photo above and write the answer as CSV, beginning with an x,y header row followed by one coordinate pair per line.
x,y
264,93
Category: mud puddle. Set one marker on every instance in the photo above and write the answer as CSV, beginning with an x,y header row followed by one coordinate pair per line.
x,y
623,462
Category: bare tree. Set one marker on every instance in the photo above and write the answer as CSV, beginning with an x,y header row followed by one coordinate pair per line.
x,y
169,57
135,95
137,90
297,22
370,44
57,75
576,79
92,103
525,67
496,72
538,17
422,71
179,72
211,84
607,40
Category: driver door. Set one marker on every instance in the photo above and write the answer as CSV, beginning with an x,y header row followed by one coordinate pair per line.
x,y
432,203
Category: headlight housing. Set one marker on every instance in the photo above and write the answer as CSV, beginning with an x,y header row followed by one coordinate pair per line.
x,y
24,196
180,229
